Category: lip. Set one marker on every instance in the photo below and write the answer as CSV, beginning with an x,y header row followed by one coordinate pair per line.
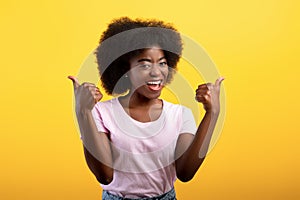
x,y
154,82
155,85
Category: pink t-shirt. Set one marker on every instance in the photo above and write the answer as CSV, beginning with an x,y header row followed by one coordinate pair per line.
x,y
143,152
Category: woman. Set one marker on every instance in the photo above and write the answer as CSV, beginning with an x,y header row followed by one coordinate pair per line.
x,y
137,144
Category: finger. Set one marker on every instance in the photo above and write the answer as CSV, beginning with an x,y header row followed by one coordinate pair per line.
x,y
206,86
202,86
219,81
96,92
210,86
202,98
87,84
98,97
199,98
75,81
202,90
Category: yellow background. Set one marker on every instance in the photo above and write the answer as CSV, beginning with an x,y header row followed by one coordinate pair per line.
x,y
255,45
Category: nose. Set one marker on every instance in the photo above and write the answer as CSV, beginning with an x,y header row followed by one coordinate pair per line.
x,y
155,71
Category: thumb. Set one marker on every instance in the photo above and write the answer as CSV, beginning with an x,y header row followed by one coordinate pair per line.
x,y
219,81
75,81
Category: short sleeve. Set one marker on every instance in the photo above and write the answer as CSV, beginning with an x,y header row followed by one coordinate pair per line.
x,y
188,122
98,119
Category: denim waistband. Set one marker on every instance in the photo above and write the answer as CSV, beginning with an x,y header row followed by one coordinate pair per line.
x,y
171,195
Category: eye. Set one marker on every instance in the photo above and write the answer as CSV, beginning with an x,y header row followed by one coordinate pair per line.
x,y
163,64
145,66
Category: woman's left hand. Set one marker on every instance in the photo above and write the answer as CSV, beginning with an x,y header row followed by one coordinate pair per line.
x,y
208,94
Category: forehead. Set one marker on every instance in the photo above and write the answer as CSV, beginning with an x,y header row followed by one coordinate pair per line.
x,y
153,52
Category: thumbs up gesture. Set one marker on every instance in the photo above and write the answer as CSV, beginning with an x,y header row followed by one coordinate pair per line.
x,y
208,94
86,94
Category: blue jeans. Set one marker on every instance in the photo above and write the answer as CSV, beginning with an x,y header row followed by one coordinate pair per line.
x,y
171,195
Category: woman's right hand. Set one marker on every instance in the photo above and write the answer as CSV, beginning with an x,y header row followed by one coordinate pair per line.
x,y
86,94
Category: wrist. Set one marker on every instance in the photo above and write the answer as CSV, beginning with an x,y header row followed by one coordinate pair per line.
x,y
81,112
214,112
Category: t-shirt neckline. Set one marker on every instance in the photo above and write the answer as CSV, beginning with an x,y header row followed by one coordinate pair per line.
x,y
139,122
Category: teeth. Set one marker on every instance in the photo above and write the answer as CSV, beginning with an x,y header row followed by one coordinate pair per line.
x,y
154,82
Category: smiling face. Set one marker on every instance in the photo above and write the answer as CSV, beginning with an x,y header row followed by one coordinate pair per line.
x,y
148,73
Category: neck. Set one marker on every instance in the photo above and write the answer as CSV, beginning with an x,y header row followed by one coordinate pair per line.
x,y
136,100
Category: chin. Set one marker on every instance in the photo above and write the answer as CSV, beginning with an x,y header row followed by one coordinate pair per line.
x,y
153,96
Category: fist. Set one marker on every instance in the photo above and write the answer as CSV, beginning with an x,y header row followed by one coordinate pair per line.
x,y
208,94
86,94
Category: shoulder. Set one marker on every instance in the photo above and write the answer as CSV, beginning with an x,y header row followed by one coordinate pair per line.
x,y
106,103
178,111
105,106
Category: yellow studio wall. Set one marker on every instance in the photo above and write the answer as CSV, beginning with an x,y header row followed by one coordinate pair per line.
x,y
255,45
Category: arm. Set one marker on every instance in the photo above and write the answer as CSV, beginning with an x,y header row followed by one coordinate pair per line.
x,y
191,150
97,148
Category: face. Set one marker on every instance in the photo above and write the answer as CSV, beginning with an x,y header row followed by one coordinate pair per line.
x,y
148,73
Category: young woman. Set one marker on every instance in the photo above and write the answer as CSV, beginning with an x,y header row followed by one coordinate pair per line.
x,y
137,144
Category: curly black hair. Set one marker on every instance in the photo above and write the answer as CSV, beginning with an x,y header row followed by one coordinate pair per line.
x,y
131,37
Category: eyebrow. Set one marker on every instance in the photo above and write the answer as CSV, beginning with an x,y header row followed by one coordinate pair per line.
x,y
149,60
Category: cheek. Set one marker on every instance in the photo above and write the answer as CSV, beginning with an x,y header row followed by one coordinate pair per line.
x,y
136,79
133,75
165,72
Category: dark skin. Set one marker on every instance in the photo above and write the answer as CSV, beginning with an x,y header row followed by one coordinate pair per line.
x,y
96,146
143,104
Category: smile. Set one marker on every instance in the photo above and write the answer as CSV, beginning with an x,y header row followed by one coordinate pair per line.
x,y
158,82
154,85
